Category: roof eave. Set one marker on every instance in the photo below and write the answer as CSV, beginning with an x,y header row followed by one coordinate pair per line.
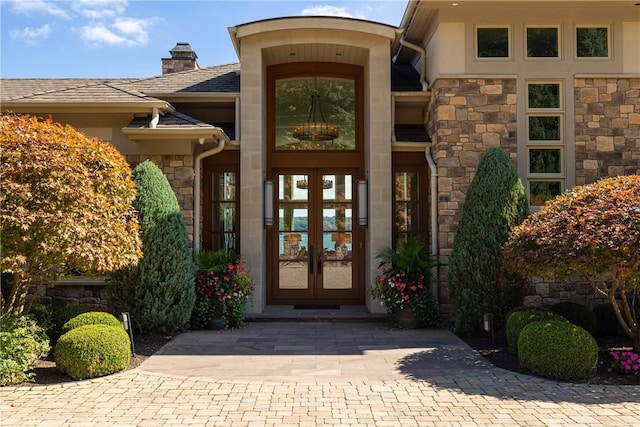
x,y
188,134
85,107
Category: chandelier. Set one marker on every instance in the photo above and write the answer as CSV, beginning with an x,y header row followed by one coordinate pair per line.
x,y
312,129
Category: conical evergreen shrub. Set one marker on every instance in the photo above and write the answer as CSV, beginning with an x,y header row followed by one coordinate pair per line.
x,y
159,293
494,204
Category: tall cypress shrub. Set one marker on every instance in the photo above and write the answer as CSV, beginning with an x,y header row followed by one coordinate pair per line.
x,y
494,204
160,291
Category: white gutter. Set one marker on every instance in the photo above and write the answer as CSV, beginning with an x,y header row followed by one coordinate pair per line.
x,y
434,216
423,59
222,140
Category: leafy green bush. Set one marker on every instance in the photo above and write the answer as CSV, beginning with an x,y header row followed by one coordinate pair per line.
x,y
558,350
494,204
93,351
158,292
91,318
62,316
23,343
608,324
577,314
519,318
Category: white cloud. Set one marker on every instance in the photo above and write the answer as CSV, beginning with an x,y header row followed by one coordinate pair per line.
x,y
99,34
29,7
100,9
327,11
30,35
135,29
124,31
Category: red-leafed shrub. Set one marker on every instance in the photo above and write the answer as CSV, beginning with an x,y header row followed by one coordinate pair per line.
x,y
66,205
591,233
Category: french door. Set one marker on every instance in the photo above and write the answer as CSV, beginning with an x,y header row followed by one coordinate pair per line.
x,y
315,244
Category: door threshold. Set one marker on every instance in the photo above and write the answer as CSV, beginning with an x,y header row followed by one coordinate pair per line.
x,y
291,313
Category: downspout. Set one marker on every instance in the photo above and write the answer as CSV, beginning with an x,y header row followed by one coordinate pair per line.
x,y
155,118
222,140
423,59
434,217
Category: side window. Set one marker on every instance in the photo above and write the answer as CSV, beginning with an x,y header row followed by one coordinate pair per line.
x,y
410,197
543,42
593,42
493,42
545,141
221,202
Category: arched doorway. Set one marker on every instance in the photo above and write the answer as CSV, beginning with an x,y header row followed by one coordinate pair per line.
x,y
315,156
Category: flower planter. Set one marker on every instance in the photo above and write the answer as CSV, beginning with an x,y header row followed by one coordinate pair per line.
x,y
406,319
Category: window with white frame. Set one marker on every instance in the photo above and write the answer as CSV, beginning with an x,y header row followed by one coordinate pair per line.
x,y
545,141
493,42
542,41
593,42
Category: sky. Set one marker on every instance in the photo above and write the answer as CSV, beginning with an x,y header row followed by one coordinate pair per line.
x,y
128,38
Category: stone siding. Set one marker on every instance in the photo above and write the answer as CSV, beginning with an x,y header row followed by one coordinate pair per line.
x,y
467,117
607,119
92,293
179,170
545,293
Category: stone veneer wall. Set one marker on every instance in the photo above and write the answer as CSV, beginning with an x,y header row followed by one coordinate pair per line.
x,y
467,117
607,117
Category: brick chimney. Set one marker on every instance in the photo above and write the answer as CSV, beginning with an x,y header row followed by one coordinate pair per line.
x,y
183,58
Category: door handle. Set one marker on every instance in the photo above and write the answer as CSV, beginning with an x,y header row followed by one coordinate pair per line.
x,y
310,259
319,263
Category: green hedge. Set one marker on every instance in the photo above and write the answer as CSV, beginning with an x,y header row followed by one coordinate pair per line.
x,y
91,318
557,349
521,317
93,351
62,316
577,314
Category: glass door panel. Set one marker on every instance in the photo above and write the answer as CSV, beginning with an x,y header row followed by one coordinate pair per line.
x,y
337,232
293,231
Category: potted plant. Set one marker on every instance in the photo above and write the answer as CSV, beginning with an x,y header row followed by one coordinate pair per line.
x,y
403,285
222,288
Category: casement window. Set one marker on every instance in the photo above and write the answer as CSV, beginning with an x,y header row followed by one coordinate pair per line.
x,y
493,42
542,42
221,201
410,196
593,42
545,141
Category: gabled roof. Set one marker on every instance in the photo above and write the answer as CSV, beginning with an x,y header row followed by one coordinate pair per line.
x,y
217,79
75,95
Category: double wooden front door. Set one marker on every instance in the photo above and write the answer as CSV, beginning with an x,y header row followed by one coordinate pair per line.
x,y
315,244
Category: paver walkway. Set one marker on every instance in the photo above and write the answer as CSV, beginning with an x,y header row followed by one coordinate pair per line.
x,y
318,373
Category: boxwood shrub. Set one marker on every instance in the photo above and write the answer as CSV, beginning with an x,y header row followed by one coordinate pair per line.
x,y
93,351
520,317
577,314
62,316
91,318
557,349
